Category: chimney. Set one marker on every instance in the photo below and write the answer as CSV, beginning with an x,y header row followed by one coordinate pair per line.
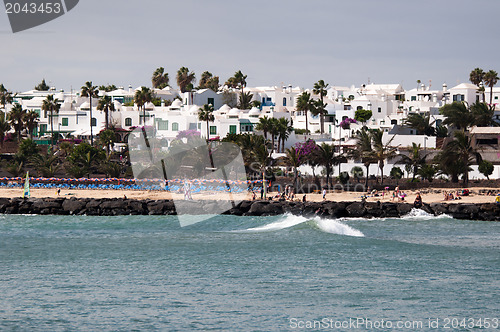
x,y
445,87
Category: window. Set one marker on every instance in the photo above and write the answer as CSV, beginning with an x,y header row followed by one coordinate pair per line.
x,y
162,124
175,126
232,129
394,122
211,101
93,122
380,109
128,122
199,125
411,132
413,98
43,129
359,108
458,97
64,122
192,126
284,101
487,141
496,97
213,130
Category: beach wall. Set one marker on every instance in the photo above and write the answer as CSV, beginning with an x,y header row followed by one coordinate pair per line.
x,y
326,209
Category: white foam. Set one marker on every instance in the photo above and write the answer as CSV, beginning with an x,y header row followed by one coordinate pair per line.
x,y
289,221
418,214
336,227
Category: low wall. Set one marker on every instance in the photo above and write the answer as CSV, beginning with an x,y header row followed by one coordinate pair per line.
x,y
121,206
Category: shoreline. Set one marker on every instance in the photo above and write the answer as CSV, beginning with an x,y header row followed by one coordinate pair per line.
x,y
325,209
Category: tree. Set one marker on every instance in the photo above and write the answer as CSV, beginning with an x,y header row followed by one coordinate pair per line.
x,y
325,157
83,158
27,151
491,78
264,125
476,77
427,172
107,105
107,88
46,164
396,173
107,138
51,105
457,114
421,123
185,79
208,81
357,173
482,114
486,168
363,115
285,128
5,96
31,120
320,90
414,160
206,114
381,152
274,131
4,128
294,160
305,104
142,96
16,119
160,79
90,91
461,149
363,150
237,81
245,101
42,86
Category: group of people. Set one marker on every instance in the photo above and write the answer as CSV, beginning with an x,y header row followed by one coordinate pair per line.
x,y
399,194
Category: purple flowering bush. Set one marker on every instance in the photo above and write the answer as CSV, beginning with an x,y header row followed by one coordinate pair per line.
x,y
346,123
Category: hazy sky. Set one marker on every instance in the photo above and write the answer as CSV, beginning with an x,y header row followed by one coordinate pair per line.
x,y
273,42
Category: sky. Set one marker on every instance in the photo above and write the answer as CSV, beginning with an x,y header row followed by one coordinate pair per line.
x,y
273,42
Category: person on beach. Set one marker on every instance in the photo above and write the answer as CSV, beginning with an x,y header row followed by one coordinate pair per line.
x,y
253,196
304,198
58,191
497,200
418,201
324,194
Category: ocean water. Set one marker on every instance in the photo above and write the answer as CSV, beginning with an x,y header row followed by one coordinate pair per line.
x,y
248,273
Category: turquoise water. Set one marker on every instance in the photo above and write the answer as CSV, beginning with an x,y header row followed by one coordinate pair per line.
x,y
244,273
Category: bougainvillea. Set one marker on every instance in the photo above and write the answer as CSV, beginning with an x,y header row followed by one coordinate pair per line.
x,y
191,133
346,123
305,149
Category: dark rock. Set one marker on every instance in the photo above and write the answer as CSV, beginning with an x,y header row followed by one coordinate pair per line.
x,y
404,208
356,209
73,206
439,208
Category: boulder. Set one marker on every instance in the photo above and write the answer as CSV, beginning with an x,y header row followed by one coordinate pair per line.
x,y
356,210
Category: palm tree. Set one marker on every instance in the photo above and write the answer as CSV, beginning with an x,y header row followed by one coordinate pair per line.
x,y
141,97
5,96
185,79
264,125
52,105
46,164
274,131
106,104
262,157
160,79
293,159
325,155
363,150
320,89
31,120
421,123
206,114
482,114
90,91
237,81
305,104
4,128
461,149
457,114
107,138
285,128
245,101
208,81
491,78
357,172
16,119
42,86
382,152
414,160
476,77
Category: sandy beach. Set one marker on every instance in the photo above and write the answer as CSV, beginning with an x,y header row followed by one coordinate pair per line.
x,y
433,195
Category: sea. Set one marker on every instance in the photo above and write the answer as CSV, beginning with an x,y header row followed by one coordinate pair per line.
x,y
227,273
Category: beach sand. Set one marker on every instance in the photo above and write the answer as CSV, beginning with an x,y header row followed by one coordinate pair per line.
x,y
433,195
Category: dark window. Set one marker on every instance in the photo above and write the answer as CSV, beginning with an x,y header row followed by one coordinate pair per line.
x,y
380,109
94,122
232,129
284,101
175,126
413,98
128,122
64,122
394,122
213,130
487,141
359,108
211,101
